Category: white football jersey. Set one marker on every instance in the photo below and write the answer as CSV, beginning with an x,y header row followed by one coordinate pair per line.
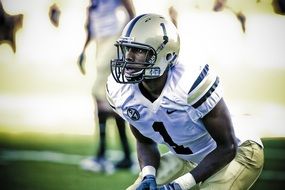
x,y
105,19
174,119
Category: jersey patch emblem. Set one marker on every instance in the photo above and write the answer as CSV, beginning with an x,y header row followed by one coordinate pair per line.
x,y
133,114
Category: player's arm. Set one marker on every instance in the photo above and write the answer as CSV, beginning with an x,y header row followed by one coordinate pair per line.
x,y
147,150
81,59
148,156
219,125
88,36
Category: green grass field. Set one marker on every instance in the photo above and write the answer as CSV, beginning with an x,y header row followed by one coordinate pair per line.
x,y
45,175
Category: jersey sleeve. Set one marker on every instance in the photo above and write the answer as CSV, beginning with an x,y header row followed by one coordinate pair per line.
x,y
205,92
109,98
112,94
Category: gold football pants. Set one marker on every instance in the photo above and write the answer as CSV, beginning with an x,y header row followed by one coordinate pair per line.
x,y
239,174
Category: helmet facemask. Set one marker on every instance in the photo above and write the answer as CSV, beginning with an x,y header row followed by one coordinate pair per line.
x,y
125,71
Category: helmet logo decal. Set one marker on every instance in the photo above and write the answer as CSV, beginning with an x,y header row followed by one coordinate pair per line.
x,y
133,114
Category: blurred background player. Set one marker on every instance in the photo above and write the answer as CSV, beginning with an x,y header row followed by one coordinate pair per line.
x,y
106,19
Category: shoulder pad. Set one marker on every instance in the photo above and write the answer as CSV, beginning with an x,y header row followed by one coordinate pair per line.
x,y
203,87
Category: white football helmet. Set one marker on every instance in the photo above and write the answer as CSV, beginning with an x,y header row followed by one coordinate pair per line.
x,y
153,34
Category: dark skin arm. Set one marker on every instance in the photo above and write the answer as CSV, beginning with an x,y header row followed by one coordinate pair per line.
x,y
88,38
147,151
219,125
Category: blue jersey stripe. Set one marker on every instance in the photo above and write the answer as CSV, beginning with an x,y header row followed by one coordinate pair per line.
x,y
208,94
202,75
132,24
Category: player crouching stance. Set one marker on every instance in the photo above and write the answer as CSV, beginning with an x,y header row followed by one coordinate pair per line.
x,y
168,103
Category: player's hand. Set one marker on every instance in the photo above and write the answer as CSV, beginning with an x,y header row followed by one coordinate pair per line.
x,y
170,186
148,183
81,63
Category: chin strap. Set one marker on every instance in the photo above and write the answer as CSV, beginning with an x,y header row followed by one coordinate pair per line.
x,y
152,72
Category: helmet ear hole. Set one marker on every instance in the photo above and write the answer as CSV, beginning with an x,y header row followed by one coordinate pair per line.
x,y
168,57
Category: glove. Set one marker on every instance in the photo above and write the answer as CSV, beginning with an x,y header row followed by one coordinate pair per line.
x,y
148,183
170,186
81,63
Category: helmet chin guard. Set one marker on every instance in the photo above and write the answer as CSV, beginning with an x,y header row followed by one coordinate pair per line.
x,y
157,37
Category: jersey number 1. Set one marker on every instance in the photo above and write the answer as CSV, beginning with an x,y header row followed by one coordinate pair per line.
x,y
179,149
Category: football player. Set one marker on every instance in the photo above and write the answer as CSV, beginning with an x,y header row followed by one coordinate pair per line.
x,y
165,102
106,20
